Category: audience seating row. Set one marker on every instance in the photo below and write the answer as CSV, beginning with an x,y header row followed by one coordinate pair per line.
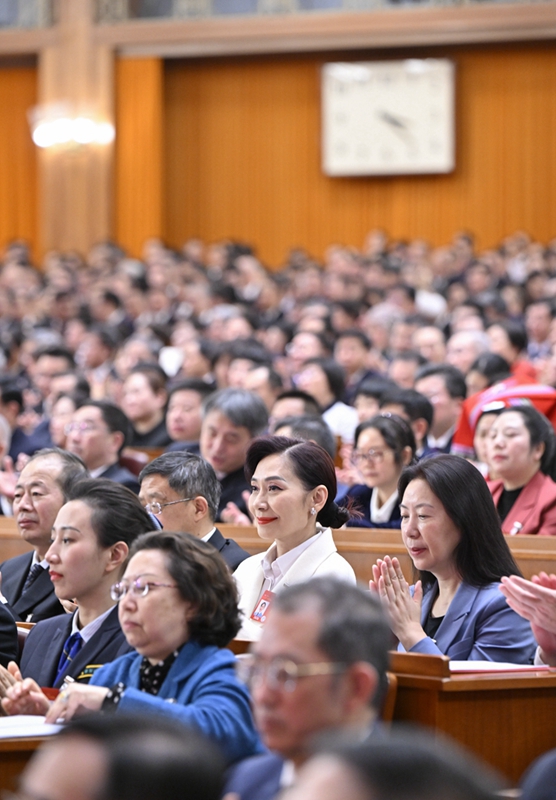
x,y
360,546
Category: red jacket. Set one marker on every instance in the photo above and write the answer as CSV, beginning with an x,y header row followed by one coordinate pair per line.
x,y
534,511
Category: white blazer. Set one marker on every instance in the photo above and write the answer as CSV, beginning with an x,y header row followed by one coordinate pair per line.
x,y
320,558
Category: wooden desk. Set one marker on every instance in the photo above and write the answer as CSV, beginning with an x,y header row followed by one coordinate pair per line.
x,y
14,755
508,719
362,546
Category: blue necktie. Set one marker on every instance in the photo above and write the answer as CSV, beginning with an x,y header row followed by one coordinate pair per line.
x,y
72,646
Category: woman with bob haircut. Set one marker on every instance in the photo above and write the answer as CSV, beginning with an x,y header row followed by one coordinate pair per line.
x,y
383,446
521,448
452,533
293,486
178,610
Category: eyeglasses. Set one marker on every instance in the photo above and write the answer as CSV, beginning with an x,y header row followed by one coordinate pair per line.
x,y
80,427
358,456
138,588
156,508
282,673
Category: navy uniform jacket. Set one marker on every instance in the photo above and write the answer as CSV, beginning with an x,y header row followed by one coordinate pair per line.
x,y
39,601
9,647
119,474
230,551
44,645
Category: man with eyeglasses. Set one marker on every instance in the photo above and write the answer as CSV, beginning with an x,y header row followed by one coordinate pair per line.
x,y
319,667
97,433
182,491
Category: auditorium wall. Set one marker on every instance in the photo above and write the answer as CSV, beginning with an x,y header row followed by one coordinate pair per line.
x,y
242,154
18,164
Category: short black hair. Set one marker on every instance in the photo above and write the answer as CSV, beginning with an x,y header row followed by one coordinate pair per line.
x,y
113,417
117,514
310,404
310,428
335,375
355,333
411,764
454,379
415,404
202,388
151,756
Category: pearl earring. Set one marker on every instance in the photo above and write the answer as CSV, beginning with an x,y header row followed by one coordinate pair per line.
x,y
313,511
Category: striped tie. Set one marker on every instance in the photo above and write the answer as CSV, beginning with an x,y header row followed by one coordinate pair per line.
x,y
72,646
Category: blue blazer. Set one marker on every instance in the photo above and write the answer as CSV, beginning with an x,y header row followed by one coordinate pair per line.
x,y
479,626
39,601
44,645
361,495
201,689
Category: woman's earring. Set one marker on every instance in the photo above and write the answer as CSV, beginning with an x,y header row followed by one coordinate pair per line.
x,y
313,511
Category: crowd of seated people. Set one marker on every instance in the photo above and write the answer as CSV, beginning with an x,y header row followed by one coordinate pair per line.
x,y
295,400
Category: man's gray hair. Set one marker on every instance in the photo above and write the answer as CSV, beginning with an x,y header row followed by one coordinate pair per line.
x,y
354,626
243,408
72,468
189,475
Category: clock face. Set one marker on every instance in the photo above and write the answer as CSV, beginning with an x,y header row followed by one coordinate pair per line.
x,y
388,117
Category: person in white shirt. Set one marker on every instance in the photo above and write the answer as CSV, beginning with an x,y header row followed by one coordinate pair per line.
x,y
293,486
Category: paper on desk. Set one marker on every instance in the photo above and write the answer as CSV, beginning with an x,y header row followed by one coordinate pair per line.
x,y
25,725
495,666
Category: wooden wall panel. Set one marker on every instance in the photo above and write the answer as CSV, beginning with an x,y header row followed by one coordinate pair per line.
x,y
18,163
139,151
243,155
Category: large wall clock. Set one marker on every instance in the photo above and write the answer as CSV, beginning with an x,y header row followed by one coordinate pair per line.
x,y
388,117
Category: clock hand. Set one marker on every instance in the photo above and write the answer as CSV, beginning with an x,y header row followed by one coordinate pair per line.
x,y
390,119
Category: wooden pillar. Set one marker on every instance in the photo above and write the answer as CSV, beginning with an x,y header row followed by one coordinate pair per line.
x,y
139,152
75,185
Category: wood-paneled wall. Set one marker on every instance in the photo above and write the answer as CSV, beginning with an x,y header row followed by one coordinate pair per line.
x,y
139,198
18,162
242,155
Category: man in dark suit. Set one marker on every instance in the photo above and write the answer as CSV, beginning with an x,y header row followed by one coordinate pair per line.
x,y
181,489
40,492
97,433
319,667
231,420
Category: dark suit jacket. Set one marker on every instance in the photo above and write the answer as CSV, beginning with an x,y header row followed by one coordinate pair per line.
x,y
534,511
256,778
39,601
120,474
230,551
44,645
9,647
233,485
361,494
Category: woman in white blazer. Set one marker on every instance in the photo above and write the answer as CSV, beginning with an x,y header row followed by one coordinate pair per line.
x,y
293,486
